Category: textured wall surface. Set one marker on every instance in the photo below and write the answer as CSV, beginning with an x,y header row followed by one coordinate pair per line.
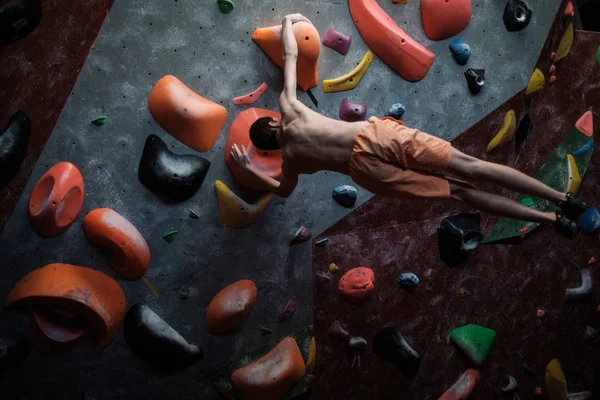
x,y
212,53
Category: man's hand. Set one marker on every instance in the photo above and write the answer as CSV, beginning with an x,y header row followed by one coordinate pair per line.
x,y
296,18
241,157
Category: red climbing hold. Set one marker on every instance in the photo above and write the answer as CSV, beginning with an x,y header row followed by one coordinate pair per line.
x,y
552,55
585,124
251,97
592,260
569,10
552,79
357,284
552,69
444,18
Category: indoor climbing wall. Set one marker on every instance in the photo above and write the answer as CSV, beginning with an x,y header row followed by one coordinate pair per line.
x,y
213,54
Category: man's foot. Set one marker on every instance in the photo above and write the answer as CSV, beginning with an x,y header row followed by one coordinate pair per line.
x,y
565,226
572,207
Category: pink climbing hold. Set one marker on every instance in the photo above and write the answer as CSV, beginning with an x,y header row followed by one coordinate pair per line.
x,y
337,41
585,124
337,331
251,97
552,68
352,112
552,56
302,235
569,10
288,311
463,387
552,79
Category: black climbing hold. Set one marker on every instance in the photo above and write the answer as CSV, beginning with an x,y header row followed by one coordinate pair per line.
x,y
175,176
13,351
153,340
18,19
322,278
357,343
524,128
516,15
475,79
458,235
13,146
321,242
390,345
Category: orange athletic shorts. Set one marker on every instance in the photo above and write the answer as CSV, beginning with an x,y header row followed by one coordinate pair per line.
x,y
392,160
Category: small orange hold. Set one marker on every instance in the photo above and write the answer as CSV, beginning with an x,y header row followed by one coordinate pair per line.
x,y
569,10
540,313
523,230
538,391
592,260
357,284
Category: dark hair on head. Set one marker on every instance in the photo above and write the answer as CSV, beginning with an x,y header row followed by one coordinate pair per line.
x,y
262,135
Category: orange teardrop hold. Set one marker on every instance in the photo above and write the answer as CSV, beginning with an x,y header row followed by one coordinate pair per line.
x,y
309,46
585,124
443,19
185,115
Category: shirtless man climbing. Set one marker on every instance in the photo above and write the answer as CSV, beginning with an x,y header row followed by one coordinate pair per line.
x,y
388,158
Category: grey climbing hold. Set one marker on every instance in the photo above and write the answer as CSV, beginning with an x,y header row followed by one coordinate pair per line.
x,y
458,235
590,333
408,280
337,331
13,146
396,111
390,345
528,370
322,278
512,385
589,222
302,235
321,242
475,79
516,15
288,311
357,343
583,291
345,195
461,51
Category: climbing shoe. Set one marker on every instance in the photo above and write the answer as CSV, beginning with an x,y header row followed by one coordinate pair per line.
x,y
565,226
572,207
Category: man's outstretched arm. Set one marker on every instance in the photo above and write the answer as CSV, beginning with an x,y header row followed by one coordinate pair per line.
x,y
290,58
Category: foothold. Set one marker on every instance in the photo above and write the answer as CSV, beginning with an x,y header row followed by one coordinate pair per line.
x,y
552,79
462,292
184,295
100,120
174,176
585,123
552,69
553,56
309,46
13,352
396,111
352,112
528,370
56,200
337,331
408,58
524,128
592,260
130,252
357,343
156,342
572,176
536,82
288,311
564,47
18,19
271,376
351,79
475,79
598,54
321,242
193,214
333,267
266,330
540,313
389,344
585,289
585,149
312,355
13,145
302,235
589,222
512,385
357,284
337,41
235,212
443,19
170,236
251,97
230,307
185,115
506,133
538,391
90,294
461,51
463,387
458,235
408,280
322,278
476,341
345,195
225,6
516,15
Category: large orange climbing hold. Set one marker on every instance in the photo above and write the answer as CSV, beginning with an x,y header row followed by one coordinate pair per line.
x,y
92,294
445,18
585,123
230,307
268,162
357,284
56,200
398,50
463,387
270,377
309,46
130,252
185,115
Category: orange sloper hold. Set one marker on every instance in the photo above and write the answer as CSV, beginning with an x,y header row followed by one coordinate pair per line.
x,y
357,284
398,50
56,200
309,46
230,306
268,162
92,294
130,252
185,115
273,375
445,18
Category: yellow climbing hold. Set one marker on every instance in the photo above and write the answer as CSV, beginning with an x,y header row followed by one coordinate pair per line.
x,y
333,268
312,354
572,177
235,212
565,43
350,80
506,133
556,383
536,82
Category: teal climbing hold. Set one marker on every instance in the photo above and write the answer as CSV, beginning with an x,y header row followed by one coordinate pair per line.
x,y
225,6
100,120
476,341
598,54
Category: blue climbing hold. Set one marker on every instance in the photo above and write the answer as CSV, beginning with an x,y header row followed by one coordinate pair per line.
x,y
589,222
408,280
528,370
583,150
345,195
396,111
461,51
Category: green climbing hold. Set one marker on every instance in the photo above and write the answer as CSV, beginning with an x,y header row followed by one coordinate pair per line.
x,y
170,236
528,202
225,6
598,54
193,214
265,330
476,341
184,295
100,120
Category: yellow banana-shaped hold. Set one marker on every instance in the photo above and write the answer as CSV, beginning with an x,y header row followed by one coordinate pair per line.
x,y
556,383
506,133
572,177
565,43
350,80
312,354
536,82
235,212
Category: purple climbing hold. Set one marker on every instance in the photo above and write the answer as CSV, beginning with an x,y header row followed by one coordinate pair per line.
x,y
352,112
322,278
585,290
288,311
337,331
337,41
301,236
